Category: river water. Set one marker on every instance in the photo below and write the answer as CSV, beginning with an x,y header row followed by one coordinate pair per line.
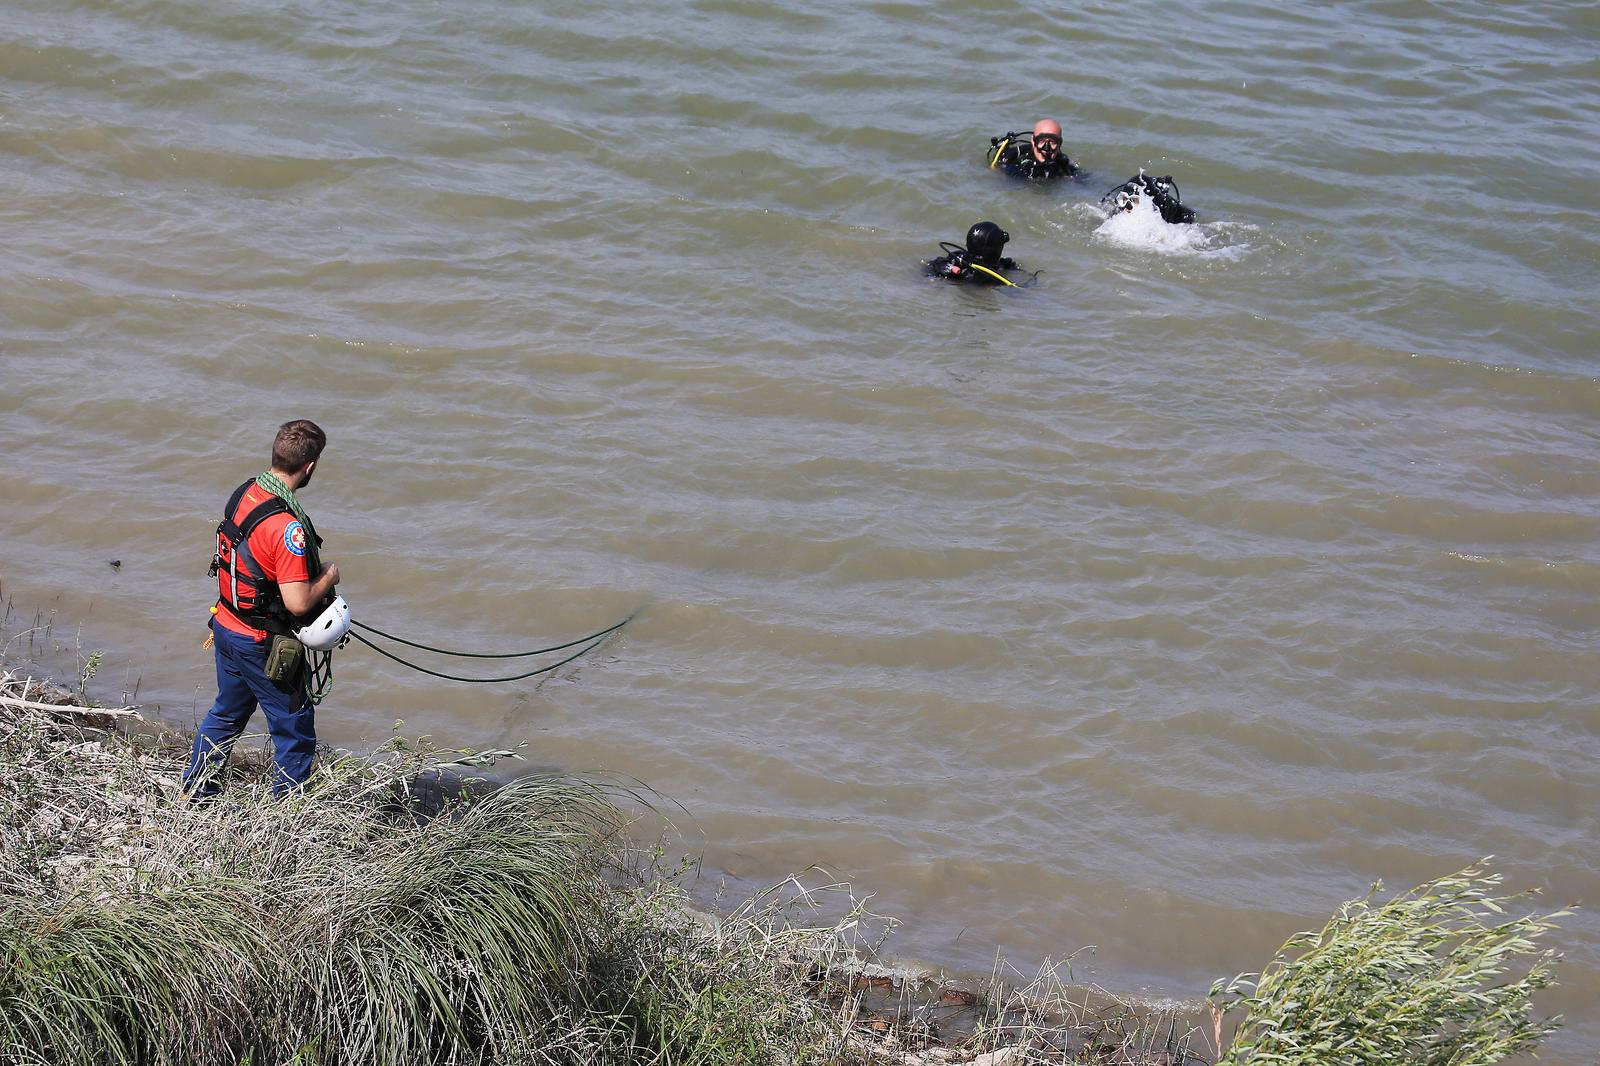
x,y
1159,606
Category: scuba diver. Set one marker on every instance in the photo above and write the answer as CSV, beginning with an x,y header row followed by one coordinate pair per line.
x,y
1163,192
979,261
1035,156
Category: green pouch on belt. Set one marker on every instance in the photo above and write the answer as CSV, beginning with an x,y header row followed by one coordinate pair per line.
x,y
284,659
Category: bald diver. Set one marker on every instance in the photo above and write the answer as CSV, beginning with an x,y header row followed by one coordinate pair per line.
x,y
1163,193
1035,156
979,261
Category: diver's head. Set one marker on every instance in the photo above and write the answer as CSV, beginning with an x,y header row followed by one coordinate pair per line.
x,y
1046,139
985,241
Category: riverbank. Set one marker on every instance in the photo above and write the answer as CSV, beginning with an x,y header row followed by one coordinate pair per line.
x,y
388,915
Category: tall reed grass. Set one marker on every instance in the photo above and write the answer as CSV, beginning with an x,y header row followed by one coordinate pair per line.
x,y
341,926
381,916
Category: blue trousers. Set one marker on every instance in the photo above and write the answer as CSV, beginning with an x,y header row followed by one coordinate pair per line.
x,y
242,685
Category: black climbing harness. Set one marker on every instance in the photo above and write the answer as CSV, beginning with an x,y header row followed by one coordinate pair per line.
x,y
261,604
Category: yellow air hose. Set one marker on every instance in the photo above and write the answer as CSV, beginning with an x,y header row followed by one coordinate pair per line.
x,y
999,150
1001,278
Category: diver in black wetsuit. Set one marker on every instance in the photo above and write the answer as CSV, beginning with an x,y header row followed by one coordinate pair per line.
x,y
979,261
1163,192
1035,156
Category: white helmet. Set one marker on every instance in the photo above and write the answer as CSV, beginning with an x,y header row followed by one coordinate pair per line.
x,y
328,629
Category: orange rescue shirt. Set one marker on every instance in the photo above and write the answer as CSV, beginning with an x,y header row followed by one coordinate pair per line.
x,y
279,547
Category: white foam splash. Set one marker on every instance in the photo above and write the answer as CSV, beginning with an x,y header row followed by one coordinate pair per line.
x,y
1144,229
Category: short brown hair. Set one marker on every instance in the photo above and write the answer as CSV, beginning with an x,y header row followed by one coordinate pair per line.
x,y
297,443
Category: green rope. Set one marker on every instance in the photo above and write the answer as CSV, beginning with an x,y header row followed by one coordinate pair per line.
x,y
319,672
273,484
322,673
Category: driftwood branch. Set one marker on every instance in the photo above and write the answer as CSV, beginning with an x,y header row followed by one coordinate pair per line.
x,y
17,704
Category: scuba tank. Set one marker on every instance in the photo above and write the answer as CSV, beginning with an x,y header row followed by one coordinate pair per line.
x,y
998,146
955,257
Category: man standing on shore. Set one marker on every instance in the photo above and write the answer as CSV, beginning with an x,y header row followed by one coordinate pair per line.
x,y
270,577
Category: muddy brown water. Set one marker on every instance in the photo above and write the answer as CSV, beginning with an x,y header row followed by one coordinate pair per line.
x,y
1159,607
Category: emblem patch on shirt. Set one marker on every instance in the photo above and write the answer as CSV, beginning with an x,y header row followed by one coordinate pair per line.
x,y
294,538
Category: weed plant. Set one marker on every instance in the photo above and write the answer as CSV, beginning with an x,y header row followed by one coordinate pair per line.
x,y
678,986
1437,976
